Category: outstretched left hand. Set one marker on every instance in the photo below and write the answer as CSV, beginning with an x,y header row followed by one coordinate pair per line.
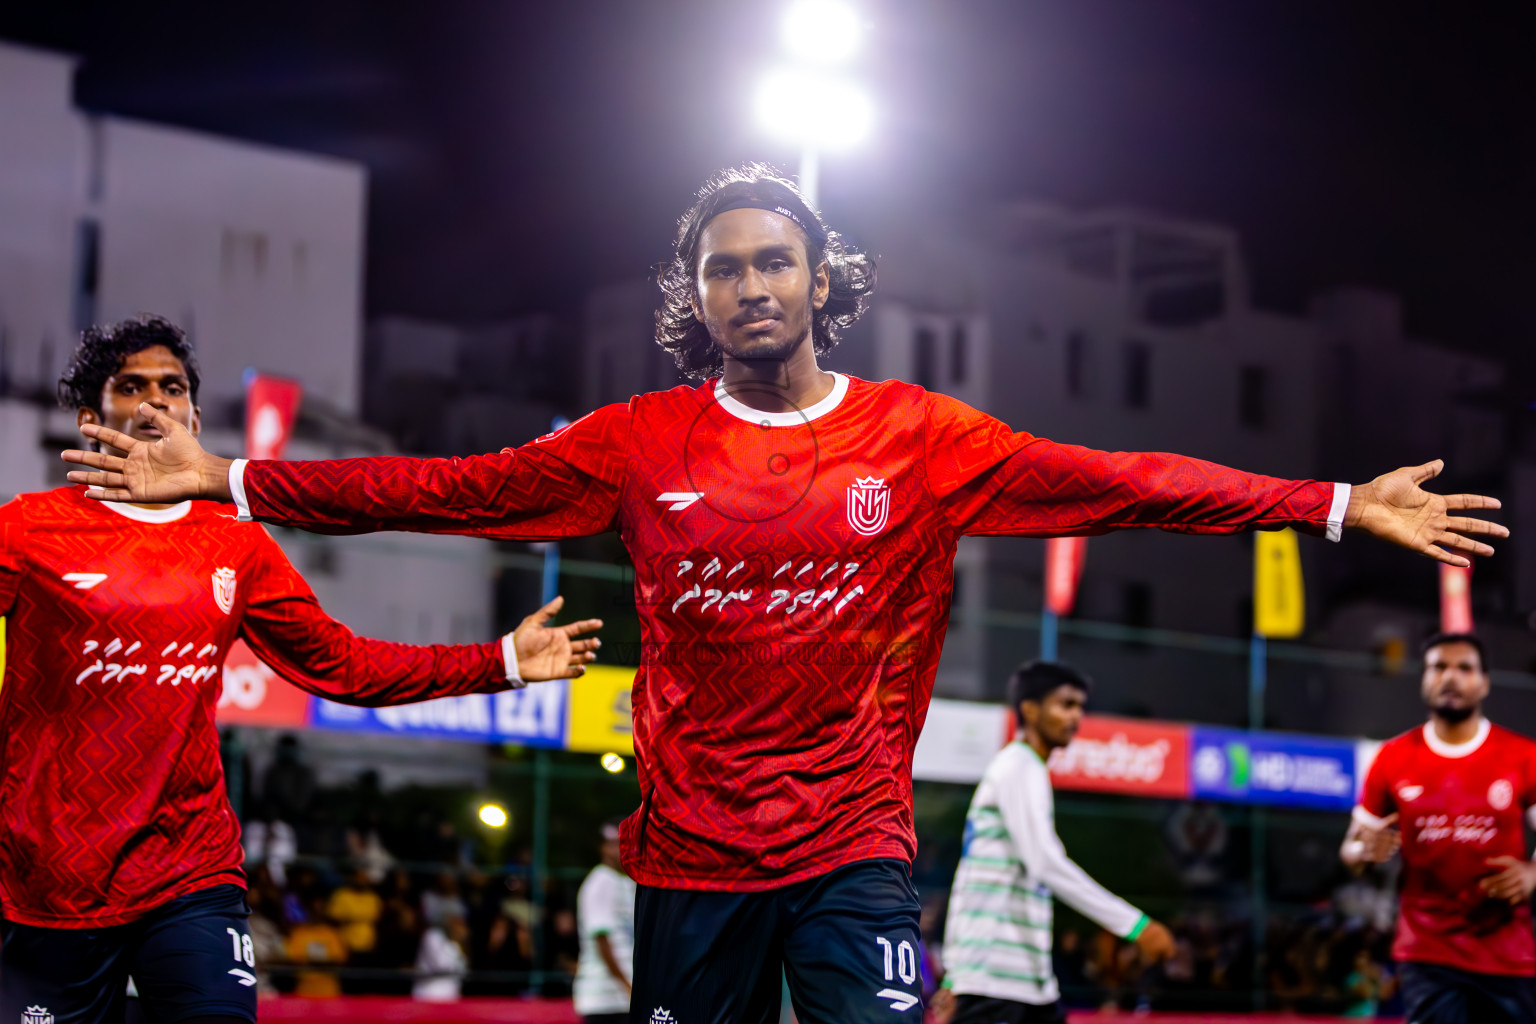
x,y
547,652
1395,508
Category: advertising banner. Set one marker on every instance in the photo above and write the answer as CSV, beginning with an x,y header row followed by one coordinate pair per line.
x,y
959,740
1279,599
1125,755
255,695
600,719
1274,768
1455,599
534,716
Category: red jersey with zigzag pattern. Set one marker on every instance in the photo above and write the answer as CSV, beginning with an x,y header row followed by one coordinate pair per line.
x,y
118,620
793,573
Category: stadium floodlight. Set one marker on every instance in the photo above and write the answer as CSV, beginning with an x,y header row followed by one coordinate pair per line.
x,y
612,763
822,30
814,109
494,816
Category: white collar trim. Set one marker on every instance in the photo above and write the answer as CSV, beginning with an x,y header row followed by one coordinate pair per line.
x,y
149,515
1445,749
792,418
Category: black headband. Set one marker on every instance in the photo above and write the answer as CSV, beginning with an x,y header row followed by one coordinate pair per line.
x,y
747,203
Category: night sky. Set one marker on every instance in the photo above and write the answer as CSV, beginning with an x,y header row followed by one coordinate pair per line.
x,y
521,153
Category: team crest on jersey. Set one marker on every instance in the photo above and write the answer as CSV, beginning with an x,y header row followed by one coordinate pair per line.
x,y
224,589
1501,794
658,1016
869,505
36,1015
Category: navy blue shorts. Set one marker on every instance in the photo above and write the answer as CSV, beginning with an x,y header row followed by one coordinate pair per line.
x,y
190,958
848,942
1433,994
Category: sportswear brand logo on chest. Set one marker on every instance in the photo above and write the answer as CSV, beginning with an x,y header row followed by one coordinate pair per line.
x,y
84,580
869,505
36,1015
224,589
1408,794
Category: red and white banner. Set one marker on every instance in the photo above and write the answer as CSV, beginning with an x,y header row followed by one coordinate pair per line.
x,y
271,403
1125,755
1064,557
255,695
1455,599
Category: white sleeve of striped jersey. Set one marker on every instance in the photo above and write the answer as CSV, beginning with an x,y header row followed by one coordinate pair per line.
x,y
1027,808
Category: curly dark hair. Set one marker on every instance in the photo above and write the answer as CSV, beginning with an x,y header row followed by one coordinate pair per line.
x,y
852,272
103,348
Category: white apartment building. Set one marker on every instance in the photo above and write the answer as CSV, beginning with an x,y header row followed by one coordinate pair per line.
x,y
258,253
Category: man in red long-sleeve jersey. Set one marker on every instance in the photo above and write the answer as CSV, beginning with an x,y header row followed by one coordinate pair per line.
x,y
793,533
1455,796
119,853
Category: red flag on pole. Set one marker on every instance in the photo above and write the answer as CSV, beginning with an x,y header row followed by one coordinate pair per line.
x,y
1455,599
271,403
1064,558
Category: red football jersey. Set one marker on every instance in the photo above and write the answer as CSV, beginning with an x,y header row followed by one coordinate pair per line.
x,y
793,574
1457,806
118,619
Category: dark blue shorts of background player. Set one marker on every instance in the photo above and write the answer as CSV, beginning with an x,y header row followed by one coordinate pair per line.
x,y
847,941
191,961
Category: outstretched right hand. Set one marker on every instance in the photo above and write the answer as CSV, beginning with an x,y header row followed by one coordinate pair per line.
x,y
1155,943
166,471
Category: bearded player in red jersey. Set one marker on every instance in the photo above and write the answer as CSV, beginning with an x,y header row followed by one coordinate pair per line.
x,y
119,852
793,533
1455,795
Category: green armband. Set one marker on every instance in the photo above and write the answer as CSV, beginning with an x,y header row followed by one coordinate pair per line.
x,y
1141,926
947,983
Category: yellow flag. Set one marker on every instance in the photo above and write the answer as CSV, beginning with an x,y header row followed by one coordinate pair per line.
x,y
1279,602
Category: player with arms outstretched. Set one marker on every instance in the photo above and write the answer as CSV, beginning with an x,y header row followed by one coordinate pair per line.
x,y
793,533
1455,796
119,852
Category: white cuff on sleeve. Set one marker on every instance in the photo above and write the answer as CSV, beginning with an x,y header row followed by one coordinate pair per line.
x,y
1364,817
237,489
509,661
1336,511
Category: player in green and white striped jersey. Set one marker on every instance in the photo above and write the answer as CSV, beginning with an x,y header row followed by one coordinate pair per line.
x,y
997,941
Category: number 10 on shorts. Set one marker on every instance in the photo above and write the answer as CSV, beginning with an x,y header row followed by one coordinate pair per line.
x,y
246,955
900,962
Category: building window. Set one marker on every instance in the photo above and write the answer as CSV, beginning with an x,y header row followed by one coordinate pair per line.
x,y
924,358
1138,375
87,272
1253,398
957,354
1077,364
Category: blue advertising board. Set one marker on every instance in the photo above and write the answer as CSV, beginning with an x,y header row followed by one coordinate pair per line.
x,y
533,717
1273,768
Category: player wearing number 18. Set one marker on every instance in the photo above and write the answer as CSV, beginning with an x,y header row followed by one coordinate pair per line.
x,y
119,853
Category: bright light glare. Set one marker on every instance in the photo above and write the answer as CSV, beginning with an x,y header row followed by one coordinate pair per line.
x,y
822,30
493,816
613,763
814,109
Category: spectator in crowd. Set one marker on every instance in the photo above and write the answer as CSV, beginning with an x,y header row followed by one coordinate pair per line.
x,y
267,942
288,787
399,930
443,901
316,946
441,963
356,909
605,909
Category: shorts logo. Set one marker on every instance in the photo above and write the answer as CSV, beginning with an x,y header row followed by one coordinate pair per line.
x,y
224,589
1501,794
660,1016
869,505
36,1015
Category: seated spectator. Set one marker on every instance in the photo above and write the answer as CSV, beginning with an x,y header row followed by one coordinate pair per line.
x,y
316,941
356,908
441,962
267,941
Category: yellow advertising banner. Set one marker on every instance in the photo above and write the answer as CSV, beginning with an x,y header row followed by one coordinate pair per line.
x,y
1279,600
599,719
